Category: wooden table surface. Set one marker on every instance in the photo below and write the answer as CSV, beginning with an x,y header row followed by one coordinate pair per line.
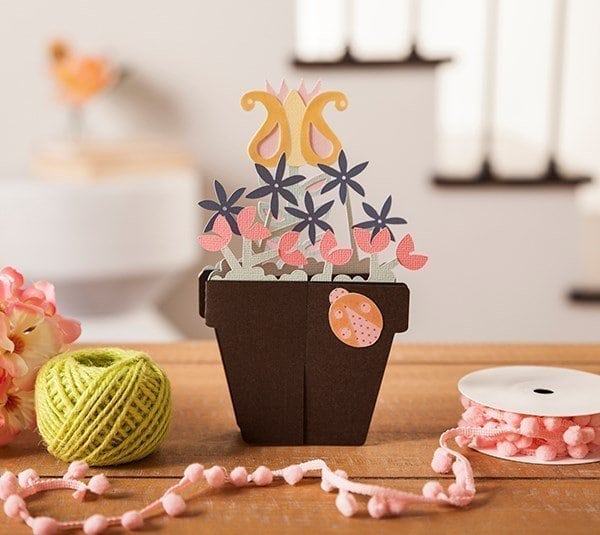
x,y
418,400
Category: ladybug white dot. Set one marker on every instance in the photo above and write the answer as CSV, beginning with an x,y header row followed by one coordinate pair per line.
x,y
365,307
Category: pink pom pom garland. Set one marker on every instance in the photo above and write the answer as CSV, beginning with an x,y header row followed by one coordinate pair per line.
x,y
546,438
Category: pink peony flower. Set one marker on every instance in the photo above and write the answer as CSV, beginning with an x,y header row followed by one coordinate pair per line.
x,y
220,237
330,253
370,245
287,251
248,228
31,332
406,255
17,414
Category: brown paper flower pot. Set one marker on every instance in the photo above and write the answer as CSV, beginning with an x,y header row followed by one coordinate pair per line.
x,y
291,380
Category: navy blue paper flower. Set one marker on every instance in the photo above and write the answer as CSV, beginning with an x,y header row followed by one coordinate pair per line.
x,y
276,186
223,206
342,177
311,218
380,220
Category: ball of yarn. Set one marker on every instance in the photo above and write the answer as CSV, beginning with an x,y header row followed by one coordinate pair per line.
x,y
103,406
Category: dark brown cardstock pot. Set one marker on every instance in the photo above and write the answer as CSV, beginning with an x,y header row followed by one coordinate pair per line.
x,y
291,380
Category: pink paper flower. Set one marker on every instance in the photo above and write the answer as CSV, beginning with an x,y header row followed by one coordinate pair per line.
x,y
220,238
371,245
248,228
406,256
287,251
330,253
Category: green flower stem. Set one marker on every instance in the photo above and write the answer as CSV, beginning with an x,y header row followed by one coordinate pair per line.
x,y
391,265
246,251
373,265
230,258
259,258
350,220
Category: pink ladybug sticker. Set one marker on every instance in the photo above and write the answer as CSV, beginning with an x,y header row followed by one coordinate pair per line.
x,y
354,318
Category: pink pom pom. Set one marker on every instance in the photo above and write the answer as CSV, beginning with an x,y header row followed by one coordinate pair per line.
x,y
513,419
77,470
462,441
396,506
530,426
215,477
506,449
441,462
552,424
28,477
346,504
194,472
546,452
262,476
573,436
377,507
239,476
293,474
524,442
173,504
79,494
8,485
474,416
326,486
465,402
582,420
431,489
98,484
44,525
132,520
95,525
456,490
587,434
512,437
596,439
14,506
579,451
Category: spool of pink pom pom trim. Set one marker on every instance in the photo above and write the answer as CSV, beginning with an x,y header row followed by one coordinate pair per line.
x,y
547,415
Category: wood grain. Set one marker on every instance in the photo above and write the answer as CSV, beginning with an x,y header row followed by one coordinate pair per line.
x,y
418,400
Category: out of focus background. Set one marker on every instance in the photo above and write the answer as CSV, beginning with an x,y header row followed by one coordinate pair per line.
x,y
480,117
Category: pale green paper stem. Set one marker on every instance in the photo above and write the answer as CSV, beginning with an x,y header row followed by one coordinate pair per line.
x,y
350,220
391,265
246,251
257,259
373,265
230,258
328,270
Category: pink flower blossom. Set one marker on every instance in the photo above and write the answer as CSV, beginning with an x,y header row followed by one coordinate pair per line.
x,y
406,255
248,228
369,244
31,332
16,415
287,251
220,237
330,253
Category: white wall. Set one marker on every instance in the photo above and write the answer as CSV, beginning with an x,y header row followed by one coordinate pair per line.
x,y
501,260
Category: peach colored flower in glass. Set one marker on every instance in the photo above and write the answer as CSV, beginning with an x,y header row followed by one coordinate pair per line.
x,y
79,77
369,244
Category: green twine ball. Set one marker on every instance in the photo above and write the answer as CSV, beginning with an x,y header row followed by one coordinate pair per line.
x,y
103,406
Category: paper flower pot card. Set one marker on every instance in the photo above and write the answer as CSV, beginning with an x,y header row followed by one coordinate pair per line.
x,y
305,316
